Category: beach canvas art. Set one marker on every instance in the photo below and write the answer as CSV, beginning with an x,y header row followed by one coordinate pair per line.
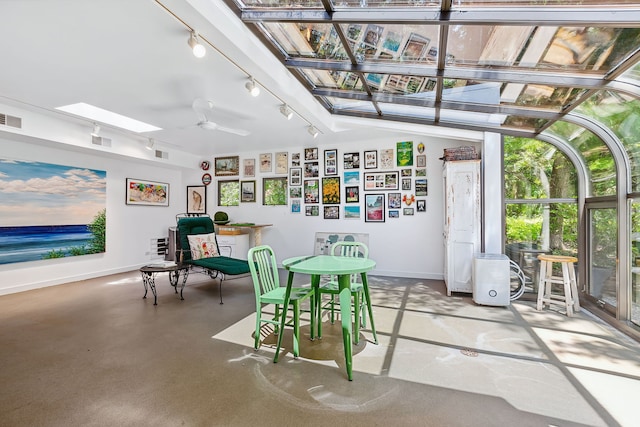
x,y
50,211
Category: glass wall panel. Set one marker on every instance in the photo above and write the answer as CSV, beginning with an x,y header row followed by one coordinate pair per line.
x,y
524,123
597,157
603,236
635,261
556,3
306,40
621,114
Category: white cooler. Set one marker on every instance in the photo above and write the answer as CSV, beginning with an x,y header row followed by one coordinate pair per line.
x,y
491,279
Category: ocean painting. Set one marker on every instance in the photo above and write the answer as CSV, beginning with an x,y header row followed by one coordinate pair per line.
x,y
50,211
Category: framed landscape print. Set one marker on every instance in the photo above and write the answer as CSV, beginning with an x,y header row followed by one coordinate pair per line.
x,y
374,208
248,191
330,162
352,212
196,199
370,159
227,166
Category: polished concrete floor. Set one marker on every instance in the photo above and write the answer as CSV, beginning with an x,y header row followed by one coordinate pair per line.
x,y
94,353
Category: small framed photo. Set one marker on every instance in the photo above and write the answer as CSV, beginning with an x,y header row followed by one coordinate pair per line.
x,y
274,191
352,194
311,153
148,193
249,167
227,166
351,160
295,206
311,170
421,160
196,199
248,191
228,192
406,172
265,162
313,210
331,190
421,187
386,159
371,159
330,162
421,172
311,191
394,214
332,212
374,207
352,212
421,205
351,177
295,159
295,176
381,180
407,211
406,184
295,192
394,201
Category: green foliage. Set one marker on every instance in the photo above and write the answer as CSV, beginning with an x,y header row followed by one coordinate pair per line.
x,y
98,229
275,191
220,216
54,254
229,194
523,229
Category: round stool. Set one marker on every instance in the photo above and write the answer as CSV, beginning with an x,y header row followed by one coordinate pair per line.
x,y
570,287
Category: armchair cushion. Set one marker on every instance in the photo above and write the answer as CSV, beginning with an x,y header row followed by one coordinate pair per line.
x,y
203,246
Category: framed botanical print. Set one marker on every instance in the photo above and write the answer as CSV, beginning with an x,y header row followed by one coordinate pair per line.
x,y
374,208
274,191
331,190
227,166
196,199
330,162
248,191
265,162
282,162
371,159
229,193
249,167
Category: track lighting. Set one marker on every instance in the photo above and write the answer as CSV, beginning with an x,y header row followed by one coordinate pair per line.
x,y
198,49
251,86
150,144
312,131
286,111
96,130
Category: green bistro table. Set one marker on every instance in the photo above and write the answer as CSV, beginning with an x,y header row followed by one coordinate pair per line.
x,y
343,267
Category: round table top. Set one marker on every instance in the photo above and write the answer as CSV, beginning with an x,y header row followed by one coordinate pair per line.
x,y
328,264
159,269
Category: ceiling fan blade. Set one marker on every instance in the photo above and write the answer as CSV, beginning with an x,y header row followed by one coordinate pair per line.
x,y
240,132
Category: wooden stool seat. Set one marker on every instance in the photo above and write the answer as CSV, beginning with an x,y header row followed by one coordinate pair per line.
x,y
546,297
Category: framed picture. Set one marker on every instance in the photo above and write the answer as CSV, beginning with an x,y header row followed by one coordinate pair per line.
x,y
227,166
311,170
265,162
394,201
421,205
274,191
282,162
311,191
295,192
311,153
394,214
386,159
421,172
421,187
332,212
295,159
351,178
406,172
313,210
374,208
331,190
381,180
196,199
351,160
249,167
228,192
370,159
407,211
352,212
295,206
404,153
295,176
421,160
406,184
248,191
330,162
352,194
148,193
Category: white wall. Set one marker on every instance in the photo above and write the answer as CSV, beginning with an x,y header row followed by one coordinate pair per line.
x,y
409,246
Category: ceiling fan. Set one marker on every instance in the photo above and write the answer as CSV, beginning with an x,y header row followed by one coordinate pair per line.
x,y
203,109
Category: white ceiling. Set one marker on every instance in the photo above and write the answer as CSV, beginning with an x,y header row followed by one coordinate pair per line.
x,y
132,57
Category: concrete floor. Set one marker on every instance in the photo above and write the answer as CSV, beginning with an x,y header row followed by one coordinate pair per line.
x,y
94,353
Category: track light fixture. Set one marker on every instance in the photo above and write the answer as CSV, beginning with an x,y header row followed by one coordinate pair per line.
x,y
150,144
96,130
194,43
313,131
286,111
251,86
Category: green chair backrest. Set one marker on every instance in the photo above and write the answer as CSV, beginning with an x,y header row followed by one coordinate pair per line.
x,y
350,249
264,270
188,226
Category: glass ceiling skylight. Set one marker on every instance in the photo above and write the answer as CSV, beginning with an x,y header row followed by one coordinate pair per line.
x,y
100,115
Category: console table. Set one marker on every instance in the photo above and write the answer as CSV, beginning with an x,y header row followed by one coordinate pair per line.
x,y
240,227
149,275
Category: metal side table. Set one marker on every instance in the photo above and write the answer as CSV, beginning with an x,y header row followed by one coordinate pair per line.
x,y
149,275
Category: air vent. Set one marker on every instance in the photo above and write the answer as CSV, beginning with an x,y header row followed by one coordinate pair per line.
x,y
162,154
100,140
14,122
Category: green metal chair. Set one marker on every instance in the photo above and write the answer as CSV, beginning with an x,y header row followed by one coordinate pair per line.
x,y
266,282
349,249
